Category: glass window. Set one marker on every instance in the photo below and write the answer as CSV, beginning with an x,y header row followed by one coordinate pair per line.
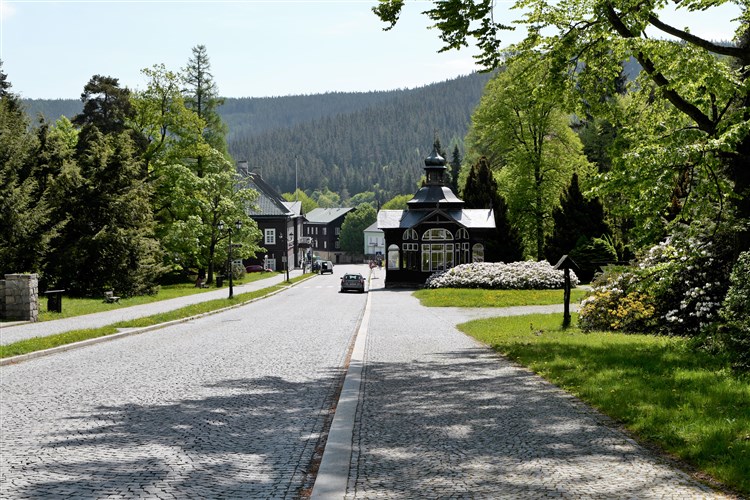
x,y
462,234
477,252
270,236
437,234
393,257
410,234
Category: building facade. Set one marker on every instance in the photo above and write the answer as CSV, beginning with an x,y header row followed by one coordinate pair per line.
x,y
323,227
434,233
281,225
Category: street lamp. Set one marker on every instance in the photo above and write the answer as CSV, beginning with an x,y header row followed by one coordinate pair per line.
x,y
238,226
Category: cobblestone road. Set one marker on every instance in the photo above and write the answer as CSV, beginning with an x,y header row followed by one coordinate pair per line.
x,y
228,406
441,416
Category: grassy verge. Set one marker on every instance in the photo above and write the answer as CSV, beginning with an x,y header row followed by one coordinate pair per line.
x,y
78,306
50,341
685,402
473,297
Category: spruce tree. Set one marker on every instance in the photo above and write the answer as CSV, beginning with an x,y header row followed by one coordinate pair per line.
x,y
481,192
455,168
579,229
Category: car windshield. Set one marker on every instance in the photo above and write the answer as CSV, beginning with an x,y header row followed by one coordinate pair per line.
x,y
352,277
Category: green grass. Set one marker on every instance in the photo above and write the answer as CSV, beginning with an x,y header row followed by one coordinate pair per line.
x,y
78,306
50,341
474,297
684,401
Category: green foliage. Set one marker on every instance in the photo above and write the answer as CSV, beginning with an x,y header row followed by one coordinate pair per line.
x,y
27,222
481,191
325,198
352,230
202,97
579,226
676,288
735,313
308,204
106,105
398,202
362,198
522,131
108,242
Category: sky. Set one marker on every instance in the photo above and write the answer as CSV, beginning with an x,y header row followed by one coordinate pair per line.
x,y
257,48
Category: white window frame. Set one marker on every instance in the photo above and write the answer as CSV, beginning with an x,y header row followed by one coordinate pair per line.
x,y
270,236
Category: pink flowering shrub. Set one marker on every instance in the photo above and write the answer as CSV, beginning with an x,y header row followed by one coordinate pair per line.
x,y
525,275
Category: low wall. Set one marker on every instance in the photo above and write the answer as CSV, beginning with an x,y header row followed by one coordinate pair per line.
x,y
20,297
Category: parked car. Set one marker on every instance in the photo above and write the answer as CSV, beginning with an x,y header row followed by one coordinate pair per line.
x,y
256,268
326,266
353,282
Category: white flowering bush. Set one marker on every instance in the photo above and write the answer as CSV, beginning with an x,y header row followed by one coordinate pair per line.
x,y
525,275
676,288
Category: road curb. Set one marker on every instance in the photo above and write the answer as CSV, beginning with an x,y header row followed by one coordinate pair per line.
x,y
135,331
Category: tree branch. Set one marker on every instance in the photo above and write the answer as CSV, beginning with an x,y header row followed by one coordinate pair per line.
x,y
704,122
740,53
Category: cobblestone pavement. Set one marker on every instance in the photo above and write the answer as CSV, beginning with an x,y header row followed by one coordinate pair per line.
x,y
441,416
10,334
227,406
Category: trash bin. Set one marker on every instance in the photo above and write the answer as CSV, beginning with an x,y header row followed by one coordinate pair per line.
x,y
54,300
219,281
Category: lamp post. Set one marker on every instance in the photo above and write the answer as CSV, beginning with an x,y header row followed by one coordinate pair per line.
x,y
238,226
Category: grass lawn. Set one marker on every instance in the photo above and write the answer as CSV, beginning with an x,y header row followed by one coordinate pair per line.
x,y
77,306
475,297
684,401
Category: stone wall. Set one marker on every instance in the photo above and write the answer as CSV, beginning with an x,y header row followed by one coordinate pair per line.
x,y
20,297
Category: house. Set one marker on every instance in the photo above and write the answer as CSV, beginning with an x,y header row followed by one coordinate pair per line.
x,y
434,233
323,227
374,247
280,223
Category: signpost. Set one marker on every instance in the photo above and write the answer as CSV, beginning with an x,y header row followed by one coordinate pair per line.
x,y
566,264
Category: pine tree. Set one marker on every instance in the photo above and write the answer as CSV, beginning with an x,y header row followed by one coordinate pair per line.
x,y
579,228
455,168
481,192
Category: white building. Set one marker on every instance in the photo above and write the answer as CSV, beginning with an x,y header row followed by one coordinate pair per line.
x,y
374,242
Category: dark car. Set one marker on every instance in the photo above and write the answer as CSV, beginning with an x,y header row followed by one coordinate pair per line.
x,y
353,282
256,268
326,266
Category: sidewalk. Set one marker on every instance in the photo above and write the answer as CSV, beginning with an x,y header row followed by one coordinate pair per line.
x,y
15,332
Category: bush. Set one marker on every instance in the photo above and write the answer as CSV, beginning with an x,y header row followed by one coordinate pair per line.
x,y
614,304
590,253
525,275
676,288
735,313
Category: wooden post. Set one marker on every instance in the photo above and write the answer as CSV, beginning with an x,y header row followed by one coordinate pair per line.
x,y
566,264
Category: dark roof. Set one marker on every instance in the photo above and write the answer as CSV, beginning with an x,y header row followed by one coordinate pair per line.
x,y
435,196
269,202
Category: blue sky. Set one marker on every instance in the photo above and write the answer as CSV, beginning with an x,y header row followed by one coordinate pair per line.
x,y
50,49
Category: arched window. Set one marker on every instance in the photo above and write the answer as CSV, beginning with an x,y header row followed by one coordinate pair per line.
x,y
393,257
477,252
462,234
410,234
437,234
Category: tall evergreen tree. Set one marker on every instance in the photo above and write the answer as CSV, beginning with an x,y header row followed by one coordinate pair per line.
x,y
580,230
455,168
108,242
481,192
25,213
202,97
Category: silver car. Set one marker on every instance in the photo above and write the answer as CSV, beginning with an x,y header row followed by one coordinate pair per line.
x,y
353,282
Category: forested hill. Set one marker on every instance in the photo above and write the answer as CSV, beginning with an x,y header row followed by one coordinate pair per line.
x,y
347,142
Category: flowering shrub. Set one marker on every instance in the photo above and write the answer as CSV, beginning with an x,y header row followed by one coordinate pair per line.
x,y
676,288
525,275
614,304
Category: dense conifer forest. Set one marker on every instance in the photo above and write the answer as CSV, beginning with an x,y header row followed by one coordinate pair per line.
x,y
346,142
